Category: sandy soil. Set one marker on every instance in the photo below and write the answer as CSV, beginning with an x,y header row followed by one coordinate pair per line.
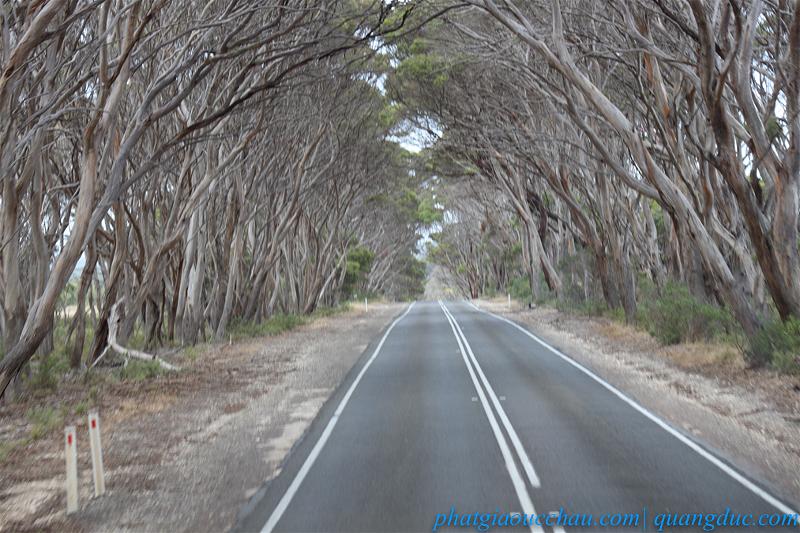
x,y
749,417
186,451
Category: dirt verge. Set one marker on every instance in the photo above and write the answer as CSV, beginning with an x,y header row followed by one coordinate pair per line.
x,y
183,452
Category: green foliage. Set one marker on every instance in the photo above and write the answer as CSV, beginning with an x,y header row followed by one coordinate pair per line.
x,y
786,362
391,115
616,314
419,46
93,394
193,352
6,447
81,408
778,343
408,204
520,289
677,316
69,296
359,263
43,420
137,339
138,370
275,325
658,220
512,253
326,311
773,127
428,213
410,281
362,257
591,307
46,373
396,21
424,68
279,323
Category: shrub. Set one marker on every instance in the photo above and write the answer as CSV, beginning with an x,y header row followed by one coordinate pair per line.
x,y
193,352
520,289
617,314
359,263
137,339
43,420
81,408
787,362
777,343
6,447
275,325
592,307
280,323
325,311
677,316
47,372
139,370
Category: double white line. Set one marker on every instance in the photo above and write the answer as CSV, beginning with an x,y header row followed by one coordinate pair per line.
x,y
516,478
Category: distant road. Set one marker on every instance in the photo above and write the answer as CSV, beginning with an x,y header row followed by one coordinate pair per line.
x,y
455,407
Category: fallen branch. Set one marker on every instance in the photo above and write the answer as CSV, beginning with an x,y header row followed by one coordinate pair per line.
x,y
113,325
101,357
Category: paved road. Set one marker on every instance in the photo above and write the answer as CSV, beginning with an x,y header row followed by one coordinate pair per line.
x,y
454,407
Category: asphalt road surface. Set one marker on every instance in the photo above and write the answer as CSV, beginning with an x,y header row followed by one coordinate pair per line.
x,y
457,410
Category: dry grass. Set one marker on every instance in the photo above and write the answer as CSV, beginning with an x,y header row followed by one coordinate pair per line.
x,y
688,356
702,355
622,333
152,403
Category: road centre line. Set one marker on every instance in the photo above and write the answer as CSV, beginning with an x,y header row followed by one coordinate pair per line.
x,y
755,489
515,440
284,502
513,472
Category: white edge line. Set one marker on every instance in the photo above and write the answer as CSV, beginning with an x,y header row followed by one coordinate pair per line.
x,y
284,502
764,495
511,467
515,440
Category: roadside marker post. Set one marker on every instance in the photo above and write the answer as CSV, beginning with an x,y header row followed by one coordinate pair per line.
x,y
71,454
366,306
97,454
509,301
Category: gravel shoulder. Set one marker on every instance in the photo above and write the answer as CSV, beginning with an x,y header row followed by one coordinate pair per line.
x,y
184,452
750,418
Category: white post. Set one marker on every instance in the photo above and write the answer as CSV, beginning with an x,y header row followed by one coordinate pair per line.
x,y
509,301
366,306
97,454
71,453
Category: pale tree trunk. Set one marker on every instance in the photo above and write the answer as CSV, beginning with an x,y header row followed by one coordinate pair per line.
x,y
232,284
79,321
193,316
